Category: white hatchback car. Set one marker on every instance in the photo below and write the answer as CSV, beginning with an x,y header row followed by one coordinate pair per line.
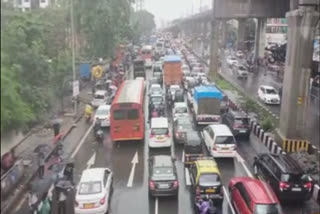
x,y
155,89
100,97
219,140
94,191
103,114
268,95
160,133
180,109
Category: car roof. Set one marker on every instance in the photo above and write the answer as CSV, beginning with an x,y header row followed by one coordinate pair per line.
x,y
193,135
104,107
162,160
207,166
260,191
100,92
238,114
159,122
93,174
221,130
267,86
155,85
180,104
287,164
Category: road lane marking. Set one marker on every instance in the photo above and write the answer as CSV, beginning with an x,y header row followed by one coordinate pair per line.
x,y
134,161
156,208
91,161
242,161
182,156
82,141
187,176
228,199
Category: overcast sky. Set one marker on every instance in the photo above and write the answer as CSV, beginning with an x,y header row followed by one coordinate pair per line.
x,y
167,10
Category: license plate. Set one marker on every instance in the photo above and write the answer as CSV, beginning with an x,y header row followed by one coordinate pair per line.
x,y
163,186
242,131
210,191
296,189
88,206
225,148
159,138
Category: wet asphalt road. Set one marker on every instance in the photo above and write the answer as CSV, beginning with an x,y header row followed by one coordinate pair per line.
x,y
135,199
261,77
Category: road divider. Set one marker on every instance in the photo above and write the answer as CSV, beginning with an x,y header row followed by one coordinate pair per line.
x,y
156,206
294,145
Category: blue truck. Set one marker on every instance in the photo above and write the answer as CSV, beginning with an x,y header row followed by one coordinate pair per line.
x,y
85,71
207,104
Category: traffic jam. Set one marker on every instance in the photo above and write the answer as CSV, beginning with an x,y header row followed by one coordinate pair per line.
x,y
162,138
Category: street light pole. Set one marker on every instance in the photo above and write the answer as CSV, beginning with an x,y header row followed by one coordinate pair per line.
x,y
73,55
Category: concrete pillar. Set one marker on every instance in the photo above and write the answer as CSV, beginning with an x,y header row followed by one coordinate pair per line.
x,y
260,38
223,33
241,33
301,26
214,49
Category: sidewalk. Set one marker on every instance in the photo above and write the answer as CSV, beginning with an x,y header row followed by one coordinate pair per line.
x,y
25,152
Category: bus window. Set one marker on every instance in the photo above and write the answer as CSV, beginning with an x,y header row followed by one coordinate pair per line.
x,y
133,114
119,114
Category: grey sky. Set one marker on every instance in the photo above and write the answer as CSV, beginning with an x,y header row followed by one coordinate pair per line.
x,y
167,10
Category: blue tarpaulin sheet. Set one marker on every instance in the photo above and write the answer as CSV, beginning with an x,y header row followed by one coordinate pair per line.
x,y
207,92
172,58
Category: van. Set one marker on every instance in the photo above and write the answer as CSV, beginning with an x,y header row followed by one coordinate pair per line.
x,y
219,140
160,133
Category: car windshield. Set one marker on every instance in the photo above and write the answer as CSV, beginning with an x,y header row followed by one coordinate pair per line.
x,y
242,68
294,178
181,110
159,131
102,112
155,89
267,209
241,121
185,125
271,91
156,99
162,171
224,140
209,179
98,97
90,188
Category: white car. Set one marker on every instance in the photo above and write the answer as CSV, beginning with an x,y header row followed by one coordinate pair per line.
x,y
160,133
231,61
268,95
239,54
219,140
100,97
103,115
148,63
180,109
94,191
155,89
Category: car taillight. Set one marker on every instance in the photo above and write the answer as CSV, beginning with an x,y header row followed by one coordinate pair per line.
x,y
168,135
103,200
177,134
214,148
151,185
308,185
151,136
76,203
236,126
175,184
283,185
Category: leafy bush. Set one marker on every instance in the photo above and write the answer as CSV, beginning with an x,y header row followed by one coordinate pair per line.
x,y
267,124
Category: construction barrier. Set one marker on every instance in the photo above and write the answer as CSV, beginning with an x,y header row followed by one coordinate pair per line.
x,y
295,145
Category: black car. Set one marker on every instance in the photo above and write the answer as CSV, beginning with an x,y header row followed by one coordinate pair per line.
x,y
284,175
238,122
163,179
181,126
192,147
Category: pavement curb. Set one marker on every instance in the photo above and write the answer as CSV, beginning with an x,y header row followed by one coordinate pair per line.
x,y
25,185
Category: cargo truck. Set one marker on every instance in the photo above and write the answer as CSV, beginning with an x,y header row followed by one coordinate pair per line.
x,y
207,104
172,72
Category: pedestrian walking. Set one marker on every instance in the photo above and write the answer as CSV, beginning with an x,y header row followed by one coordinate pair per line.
x,y
41,161
56,124
62,202
32,202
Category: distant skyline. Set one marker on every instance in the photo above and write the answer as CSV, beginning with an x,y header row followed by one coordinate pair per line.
x,y
168,10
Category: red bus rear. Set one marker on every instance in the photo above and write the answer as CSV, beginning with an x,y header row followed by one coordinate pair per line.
x,y
127,118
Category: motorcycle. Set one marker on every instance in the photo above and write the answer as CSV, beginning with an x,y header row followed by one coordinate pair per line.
x,y
98,132
205,207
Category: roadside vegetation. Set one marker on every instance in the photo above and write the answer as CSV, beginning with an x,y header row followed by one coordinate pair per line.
x,y
36,51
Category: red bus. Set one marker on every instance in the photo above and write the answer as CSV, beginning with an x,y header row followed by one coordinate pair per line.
x,y
127,118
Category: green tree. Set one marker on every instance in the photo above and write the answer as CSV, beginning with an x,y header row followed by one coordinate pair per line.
x,y
143,23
